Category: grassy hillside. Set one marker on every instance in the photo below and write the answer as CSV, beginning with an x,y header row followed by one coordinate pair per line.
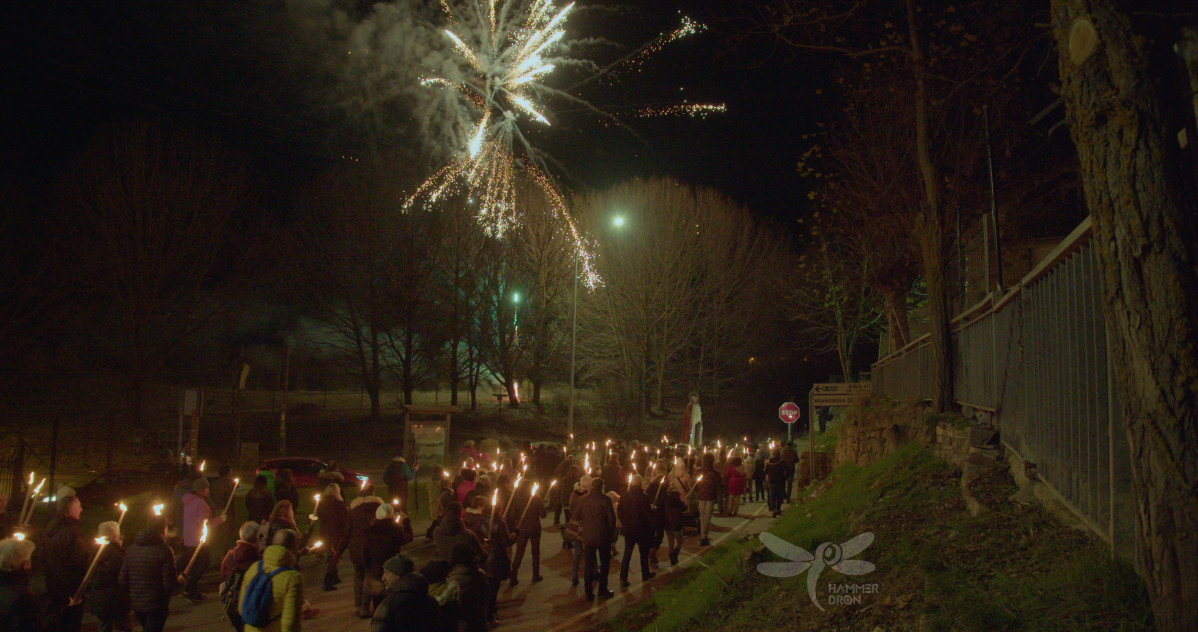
x,y
937,568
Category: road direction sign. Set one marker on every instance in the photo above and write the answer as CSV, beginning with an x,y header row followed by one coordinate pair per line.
x,y
841,388
788,412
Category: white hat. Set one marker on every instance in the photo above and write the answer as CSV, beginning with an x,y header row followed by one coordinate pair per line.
x,y
14,553
384,512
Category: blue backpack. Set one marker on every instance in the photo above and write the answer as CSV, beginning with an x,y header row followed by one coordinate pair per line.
x,y
255,607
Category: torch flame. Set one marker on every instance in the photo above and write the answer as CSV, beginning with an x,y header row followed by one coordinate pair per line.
x,y
202,464
101,540
122,507
364,481
318,544
18,536
158,509
494,498
204,532
395,501
31,478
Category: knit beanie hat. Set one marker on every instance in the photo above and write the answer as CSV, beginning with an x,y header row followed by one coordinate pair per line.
x,y
399,565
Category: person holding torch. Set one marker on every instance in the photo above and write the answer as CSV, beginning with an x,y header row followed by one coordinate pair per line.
x,y
528,529
197,511
67,555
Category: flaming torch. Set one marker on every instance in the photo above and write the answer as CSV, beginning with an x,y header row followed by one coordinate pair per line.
x,y
229,502
692,489
200,545
494,499
124,509
527,504
77,598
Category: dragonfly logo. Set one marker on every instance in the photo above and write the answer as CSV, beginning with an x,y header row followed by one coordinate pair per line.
x,y
827,555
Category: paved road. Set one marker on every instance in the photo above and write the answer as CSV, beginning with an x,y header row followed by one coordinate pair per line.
x,y
552,605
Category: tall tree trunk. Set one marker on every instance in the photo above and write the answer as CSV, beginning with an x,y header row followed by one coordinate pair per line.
x,y
1142,205
896,315
930,229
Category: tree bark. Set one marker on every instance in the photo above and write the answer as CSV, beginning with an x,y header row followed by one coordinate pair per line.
x,y
930,229
1142,205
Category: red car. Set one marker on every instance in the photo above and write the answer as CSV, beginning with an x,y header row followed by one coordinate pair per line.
x,y
305,471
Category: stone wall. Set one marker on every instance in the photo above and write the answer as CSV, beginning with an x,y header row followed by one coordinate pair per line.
x,y
876,426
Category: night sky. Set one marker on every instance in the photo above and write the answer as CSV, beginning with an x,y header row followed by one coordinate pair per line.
x,y
239,71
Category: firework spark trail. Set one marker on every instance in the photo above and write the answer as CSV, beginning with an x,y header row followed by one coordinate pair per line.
x,y
505,49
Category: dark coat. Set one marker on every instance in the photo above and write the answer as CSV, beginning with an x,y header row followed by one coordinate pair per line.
x,y
334,522
449,534
499,563
108,600
406,607
709,487
258,504
532,519
636,515
598,519
239,558
789,457
18,606
473,591
148,574
67,557
361,516
290,492
673,509
611,478
382,540
775,470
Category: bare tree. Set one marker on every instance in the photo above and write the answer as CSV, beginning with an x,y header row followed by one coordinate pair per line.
x,y
346,252
684,294
831,298
145,218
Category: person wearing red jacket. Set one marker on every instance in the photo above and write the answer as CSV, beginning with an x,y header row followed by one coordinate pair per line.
x,y
735,475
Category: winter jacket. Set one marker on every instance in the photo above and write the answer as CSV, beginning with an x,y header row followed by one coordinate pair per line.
x,y
451,533
636,515
361,516
258,504
597,517
789,456
108,600
736,480
148,574
472,590
673,510
531,524
67,557
397,476
239,558
775,470
499,563
463,489
477,523
286,588
383,541
195,511
334,522
406,607
708,488
18,606
290,492
611,477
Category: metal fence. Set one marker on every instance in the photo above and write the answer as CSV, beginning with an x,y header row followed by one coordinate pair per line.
x,y
1035,361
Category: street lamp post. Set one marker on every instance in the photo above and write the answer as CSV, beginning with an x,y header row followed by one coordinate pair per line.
x,y
617,222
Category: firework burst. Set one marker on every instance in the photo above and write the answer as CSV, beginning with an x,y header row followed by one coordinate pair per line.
x,y
504,50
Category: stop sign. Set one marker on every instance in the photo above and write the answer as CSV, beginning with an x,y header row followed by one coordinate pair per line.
x,y
788,412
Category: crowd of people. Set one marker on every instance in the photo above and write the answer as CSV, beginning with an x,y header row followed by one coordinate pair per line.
x,y
487,520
